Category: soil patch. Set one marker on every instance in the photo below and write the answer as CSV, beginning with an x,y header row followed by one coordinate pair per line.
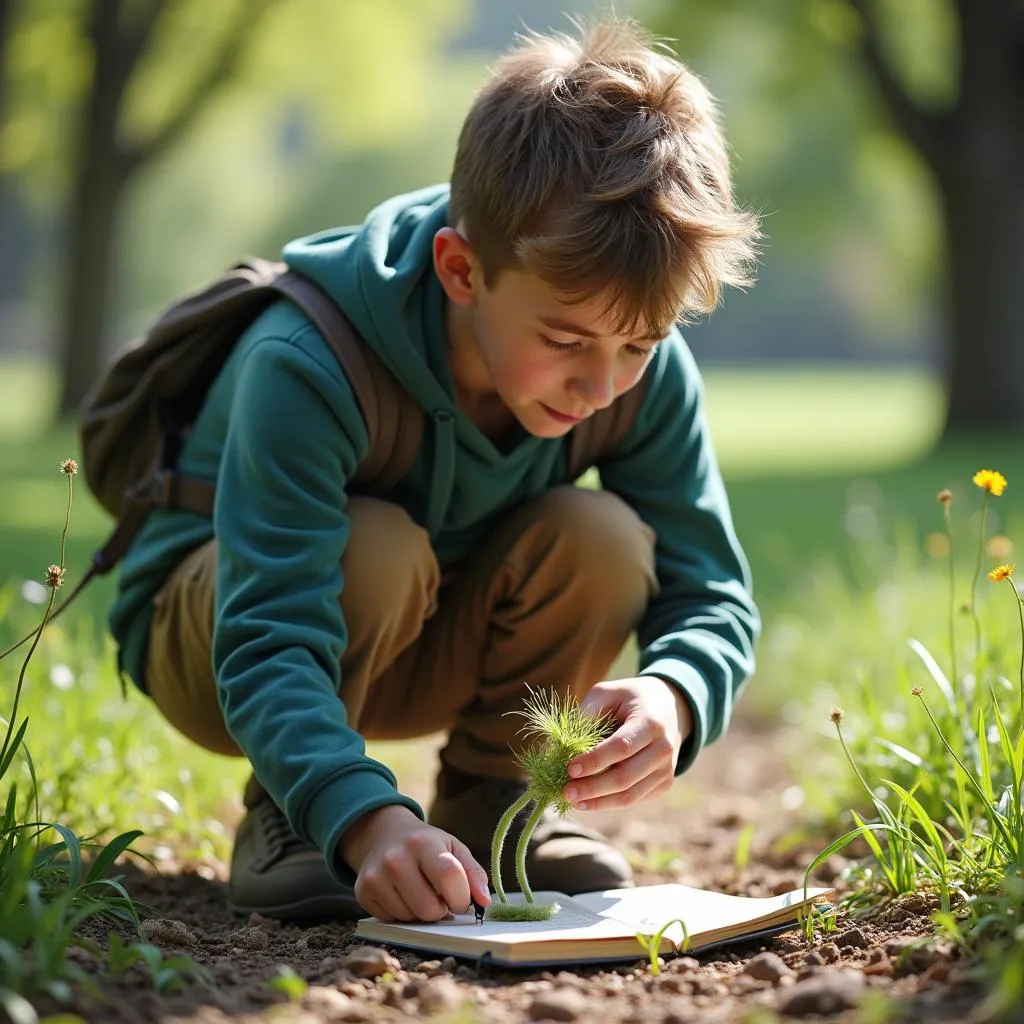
x,y
739,791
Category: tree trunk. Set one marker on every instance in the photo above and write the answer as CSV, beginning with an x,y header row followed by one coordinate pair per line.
x,y
91,258
105,163
101,170
982,188
985,294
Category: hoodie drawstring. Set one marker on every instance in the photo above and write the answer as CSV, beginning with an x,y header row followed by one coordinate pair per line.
x,y
443,477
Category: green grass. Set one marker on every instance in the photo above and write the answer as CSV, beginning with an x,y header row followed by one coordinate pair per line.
x,y
833,479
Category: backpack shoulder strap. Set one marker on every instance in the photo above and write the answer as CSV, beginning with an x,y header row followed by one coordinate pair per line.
x,y
394,421
599,434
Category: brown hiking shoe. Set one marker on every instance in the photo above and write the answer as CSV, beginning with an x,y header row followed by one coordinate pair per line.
x,y
277,874
562,855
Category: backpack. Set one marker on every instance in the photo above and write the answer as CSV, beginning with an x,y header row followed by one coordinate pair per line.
x,y
136,418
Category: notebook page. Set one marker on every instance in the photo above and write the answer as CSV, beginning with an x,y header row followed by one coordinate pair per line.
x,y
648,908
571,921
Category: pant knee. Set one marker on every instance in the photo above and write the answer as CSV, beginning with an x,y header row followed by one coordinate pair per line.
x,y
602,540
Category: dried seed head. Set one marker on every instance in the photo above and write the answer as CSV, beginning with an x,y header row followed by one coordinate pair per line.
x,y
54,576
837,715
945,496
916,691
69,467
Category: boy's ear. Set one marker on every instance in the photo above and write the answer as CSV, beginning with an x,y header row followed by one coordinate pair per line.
x,y
457,266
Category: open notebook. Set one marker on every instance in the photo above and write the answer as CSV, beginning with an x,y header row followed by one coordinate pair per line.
x,y
601,926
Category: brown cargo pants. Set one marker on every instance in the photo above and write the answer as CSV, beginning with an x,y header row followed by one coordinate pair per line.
x,y
547,601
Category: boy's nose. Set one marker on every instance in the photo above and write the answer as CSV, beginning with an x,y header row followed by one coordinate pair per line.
x,y
597,390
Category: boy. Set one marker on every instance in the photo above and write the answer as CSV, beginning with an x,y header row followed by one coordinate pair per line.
x,y
590,207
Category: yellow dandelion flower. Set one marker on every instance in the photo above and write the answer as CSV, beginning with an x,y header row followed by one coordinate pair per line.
x,y
990,480
1002,572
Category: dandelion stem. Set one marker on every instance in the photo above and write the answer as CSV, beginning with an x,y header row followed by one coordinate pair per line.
x,y
853,763
67,520
997,818
21,676
1020,612
37,633
974,591
521,846
499,841
952,593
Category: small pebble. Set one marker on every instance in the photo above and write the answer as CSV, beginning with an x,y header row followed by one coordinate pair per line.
x,y
560,1004
439,995
164,931
369,962
253,938
829,993
852,937
766,967
326,1002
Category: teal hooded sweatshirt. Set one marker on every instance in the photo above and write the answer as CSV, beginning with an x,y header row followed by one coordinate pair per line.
x,y
281,432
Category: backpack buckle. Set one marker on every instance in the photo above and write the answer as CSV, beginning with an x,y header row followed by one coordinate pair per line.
x,y
157,490
161,489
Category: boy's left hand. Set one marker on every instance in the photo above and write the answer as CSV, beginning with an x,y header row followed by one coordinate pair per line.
x,y
638,760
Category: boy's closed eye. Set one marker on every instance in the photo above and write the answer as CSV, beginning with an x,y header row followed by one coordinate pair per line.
x,y
572,346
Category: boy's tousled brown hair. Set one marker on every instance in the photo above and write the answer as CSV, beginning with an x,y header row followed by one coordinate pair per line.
x,y
598,164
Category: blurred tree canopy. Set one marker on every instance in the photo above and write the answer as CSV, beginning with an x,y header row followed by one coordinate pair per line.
x,y
94,91
143,143
832,96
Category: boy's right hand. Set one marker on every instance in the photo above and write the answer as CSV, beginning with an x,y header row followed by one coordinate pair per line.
x,y
408,870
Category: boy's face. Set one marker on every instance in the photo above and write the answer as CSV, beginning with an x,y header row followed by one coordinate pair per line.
x,y
551,362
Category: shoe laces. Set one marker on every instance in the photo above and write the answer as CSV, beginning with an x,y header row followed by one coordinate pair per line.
x,y
280,837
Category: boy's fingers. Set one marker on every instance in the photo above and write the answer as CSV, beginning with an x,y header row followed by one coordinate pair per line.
x,y
626,741
448,877
475,874
417,890
641,790
386,904
617,779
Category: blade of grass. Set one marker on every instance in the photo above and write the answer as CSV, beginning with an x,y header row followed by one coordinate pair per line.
x,y
935,672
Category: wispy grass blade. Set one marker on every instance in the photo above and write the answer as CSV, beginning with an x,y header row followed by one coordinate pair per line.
x,y
11,751
935,672
105,860
901,752
984,762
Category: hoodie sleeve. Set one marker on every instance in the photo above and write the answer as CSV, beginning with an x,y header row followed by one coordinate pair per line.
x,y
699,631
294,437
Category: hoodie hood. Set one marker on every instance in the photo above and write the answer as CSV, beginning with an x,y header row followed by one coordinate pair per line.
x,y
381,275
